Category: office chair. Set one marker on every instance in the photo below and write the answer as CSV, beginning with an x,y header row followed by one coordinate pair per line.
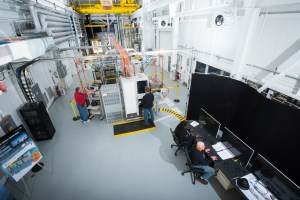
x,y
191,169
177,143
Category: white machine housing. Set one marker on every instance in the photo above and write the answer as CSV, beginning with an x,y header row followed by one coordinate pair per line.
x,y
133,91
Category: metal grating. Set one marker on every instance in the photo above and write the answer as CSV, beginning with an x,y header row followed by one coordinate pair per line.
x,y
111,99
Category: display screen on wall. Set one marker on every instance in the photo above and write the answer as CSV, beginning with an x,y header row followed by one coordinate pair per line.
x,y
18,153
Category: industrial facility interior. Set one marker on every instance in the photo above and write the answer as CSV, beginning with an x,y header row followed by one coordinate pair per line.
x,y
230,68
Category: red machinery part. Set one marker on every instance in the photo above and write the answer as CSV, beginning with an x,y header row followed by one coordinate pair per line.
x,y
3,87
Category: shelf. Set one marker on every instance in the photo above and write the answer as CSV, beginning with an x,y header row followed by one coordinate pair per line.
x,y
90,107
95,112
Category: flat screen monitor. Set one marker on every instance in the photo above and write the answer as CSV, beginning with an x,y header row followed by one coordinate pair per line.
x,y
18,153
211,125
272,178
141,86
238,147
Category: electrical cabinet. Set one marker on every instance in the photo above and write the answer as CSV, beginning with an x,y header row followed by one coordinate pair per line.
x,y
37,120
133,90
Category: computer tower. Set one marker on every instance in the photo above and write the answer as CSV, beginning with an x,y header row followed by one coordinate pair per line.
x,y
37,120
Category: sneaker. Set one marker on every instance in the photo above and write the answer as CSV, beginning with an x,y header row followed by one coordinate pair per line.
x,y
203,181
86,121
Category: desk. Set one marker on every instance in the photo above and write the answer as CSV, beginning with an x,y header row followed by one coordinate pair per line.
x,y
254,191
229,169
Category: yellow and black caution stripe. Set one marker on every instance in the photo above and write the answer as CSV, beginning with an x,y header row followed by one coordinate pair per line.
x,y
131,127
173,113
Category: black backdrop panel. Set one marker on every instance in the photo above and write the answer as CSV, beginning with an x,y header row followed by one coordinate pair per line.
x,y
270,128
276,129
231,102
211,93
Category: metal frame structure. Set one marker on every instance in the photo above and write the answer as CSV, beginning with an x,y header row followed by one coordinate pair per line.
x,y
95,7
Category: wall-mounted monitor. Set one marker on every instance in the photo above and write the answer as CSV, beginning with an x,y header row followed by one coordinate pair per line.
x,y
210,124
238,147
18,153
278,183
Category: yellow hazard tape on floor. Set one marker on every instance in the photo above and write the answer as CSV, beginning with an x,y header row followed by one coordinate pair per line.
x,y
173,113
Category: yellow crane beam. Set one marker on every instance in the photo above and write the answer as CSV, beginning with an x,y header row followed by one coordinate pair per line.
x,y
95,25
124,8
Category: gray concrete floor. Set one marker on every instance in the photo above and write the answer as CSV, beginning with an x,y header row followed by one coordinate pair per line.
x,y
87,162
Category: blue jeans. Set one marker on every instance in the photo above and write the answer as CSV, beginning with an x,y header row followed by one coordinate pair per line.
x,y
208,171
83,112
146,111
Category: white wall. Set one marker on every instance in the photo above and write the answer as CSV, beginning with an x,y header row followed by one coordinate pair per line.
x,y
10,101
148,35
165,40
275,45
40,74
214,40
275,34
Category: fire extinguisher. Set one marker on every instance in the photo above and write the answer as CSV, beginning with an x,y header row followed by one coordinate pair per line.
x,y
57,91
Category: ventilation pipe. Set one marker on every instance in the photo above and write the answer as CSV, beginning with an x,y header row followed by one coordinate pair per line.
x,y
60,40
37,25
57,27
55,24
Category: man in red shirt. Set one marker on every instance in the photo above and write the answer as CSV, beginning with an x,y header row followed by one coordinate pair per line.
x,y
80,98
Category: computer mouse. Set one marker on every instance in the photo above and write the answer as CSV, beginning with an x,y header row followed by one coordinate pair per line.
x,y
243,183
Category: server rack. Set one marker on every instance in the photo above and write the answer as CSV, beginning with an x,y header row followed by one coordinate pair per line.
x,y
37,120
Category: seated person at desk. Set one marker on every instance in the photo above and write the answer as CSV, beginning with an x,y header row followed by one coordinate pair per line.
x,y
183,135
201,159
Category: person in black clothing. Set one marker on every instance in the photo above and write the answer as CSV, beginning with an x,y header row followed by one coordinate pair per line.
x,y
147,105
183,135
201,159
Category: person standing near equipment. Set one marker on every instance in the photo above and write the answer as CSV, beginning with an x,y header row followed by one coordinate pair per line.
x,y
80,98
147,105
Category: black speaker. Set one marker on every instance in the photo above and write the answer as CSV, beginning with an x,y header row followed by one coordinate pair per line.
x,y
37,120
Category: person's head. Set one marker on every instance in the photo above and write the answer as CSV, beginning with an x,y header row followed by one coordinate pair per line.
x,y
147,89
181,126
78,89
200,146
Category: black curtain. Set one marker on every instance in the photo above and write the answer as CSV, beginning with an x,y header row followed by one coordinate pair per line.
x,y
270,128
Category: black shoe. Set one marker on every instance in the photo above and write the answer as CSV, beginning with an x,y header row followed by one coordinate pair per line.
x,y
203,181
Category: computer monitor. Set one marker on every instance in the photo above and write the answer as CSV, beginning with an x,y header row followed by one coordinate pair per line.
x,y
272,178
141,86
211,125
238,147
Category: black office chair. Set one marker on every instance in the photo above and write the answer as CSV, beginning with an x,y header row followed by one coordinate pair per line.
x,y
177,143
191,169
